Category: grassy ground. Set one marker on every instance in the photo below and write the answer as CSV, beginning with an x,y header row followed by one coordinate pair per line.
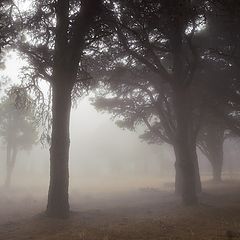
x,y
140,215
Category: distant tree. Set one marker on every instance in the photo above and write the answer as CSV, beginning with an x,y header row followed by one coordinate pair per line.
x,y
210,141
17,127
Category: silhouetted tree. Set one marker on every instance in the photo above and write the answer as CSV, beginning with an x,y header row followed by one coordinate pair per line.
x,y
17,127
57,36
8,27
210,141
135,102
170,54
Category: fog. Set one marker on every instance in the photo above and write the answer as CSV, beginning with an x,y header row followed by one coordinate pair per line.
x,y
109,167
119,120
104,157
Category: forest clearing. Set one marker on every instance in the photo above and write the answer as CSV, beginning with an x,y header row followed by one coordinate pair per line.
x,y
140,214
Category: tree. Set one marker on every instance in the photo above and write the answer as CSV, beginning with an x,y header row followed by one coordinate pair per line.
x,y
135,102
17,127
58,32
8,29
171,55
210,141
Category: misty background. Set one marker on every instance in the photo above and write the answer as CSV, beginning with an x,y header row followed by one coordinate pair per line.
x,y
116,161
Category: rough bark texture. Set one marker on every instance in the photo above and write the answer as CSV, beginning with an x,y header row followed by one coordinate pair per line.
x,y
185,161
58,205
179,177
69,45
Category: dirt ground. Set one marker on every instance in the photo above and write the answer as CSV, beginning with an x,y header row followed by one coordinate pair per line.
x,y
144,214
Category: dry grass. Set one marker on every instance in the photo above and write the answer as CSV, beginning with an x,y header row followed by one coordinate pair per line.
x,y
146,215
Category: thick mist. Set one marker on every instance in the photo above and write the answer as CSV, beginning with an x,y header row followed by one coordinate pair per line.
x,y
108,167
119,119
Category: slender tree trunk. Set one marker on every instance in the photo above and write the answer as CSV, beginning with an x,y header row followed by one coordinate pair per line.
x,y
217,163
212,148
58,202
193,149
178,176
197,174
11,160
185,161
217,172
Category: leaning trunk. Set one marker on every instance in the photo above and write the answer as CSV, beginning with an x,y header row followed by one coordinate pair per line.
x,y
58,203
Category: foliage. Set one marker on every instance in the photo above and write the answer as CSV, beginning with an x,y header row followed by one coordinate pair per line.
x,y
17,123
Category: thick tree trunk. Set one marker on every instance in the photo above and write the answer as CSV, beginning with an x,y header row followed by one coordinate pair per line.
x,y
11,159
58,203
69,45
179,177
185,159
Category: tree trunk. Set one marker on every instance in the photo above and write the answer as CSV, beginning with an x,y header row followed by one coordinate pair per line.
x,y
11,159
178,174
178,177
217,163
217,172
193,149
197,175
58,203
185,159
212,148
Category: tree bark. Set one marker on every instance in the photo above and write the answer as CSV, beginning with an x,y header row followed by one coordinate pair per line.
x,y
58,203
185,159
212,148
179,177
69,45
216,160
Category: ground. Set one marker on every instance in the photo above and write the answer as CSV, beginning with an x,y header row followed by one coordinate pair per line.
x,y
144,214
